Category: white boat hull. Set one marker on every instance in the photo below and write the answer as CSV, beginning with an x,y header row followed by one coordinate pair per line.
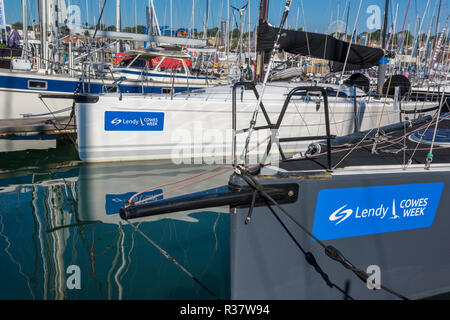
x,y
23,104
19,99
198,127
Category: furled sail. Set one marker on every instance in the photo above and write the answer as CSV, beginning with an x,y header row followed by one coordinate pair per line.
x,y
320,46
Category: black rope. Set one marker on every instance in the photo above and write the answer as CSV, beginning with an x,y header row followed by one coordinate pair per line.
x,y
171,259
330,251
309,257
72,115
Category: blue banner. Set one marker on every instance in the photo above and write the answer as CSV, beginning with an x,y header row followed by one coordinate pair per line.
x,y
134,121
223,33
344,213
384,60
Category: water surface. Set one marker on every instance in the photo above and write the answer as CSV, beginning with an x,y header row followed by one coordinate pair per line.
x,y
56,212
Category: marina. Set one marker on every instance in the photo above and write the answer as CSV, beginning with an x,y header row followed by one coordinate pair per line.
x,y
238,153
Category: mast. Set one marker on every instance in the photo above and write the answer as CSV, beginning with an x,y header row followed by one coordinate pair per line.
x,y
135,17
118,17
25,28
249,37
383,62
118,23
52,22
41,33
87,14
241,36
154,17
193,19
437,22
227,42
346,22
263,18
436,33
205,35
44,34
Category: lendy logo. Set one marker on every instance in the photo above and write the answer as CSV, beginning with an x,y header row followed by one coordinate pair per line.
x,y
116,121
407,208
134,121
351,212
341,215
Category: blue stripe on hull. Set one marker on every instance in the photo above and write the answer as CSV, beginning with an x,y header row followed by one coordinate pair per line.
x,y
68,86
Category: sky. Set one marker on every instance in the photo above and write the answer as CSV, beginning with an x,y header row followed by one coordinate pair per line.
x,y
312,15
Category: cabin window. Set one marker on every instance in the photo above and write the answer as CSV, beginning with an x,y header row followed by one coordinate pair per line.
x,y
36,84
181,70
139,64
125,63
332,92
167,90
171,71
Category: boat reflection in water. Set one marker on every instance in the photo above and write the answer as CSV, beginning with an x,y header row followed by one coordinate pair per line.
x,y
55,219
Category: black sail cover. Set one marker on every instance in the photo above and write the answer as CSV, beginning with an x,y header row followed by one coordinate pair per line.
x,y
320,46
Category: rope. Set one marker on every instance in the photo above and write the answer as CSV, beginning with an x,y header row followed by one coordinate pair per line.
x,y
184,186
330,251
171,259
176,182
190,178
353,149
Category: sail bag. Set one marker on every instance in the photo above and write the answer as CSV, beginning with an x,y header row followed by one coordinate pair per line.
x,y
320,46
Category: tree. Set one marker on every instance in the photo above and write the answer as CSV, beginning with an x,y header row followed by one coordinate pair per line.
x,y
139,29
213,32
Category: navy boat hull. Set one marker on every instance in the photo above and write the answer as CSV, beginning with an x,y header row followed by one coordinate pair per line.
x,y
270,256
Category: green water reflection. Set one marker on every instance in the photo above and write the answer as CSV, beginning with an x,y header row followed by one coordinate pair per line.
x,y
56,212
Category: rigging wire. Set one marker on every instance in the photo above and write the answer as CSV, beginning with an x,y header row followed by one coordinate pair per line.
x,y
430,155
384,144
184,186
266,78
130,201
381,116
345,63
330,251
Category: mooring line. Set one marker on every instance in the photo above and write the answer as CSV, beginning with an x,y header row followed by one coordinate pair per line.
x,y
172,259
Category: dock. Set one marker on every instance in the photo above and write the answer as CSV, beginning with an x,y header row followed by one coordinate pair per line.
x,y
37,126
